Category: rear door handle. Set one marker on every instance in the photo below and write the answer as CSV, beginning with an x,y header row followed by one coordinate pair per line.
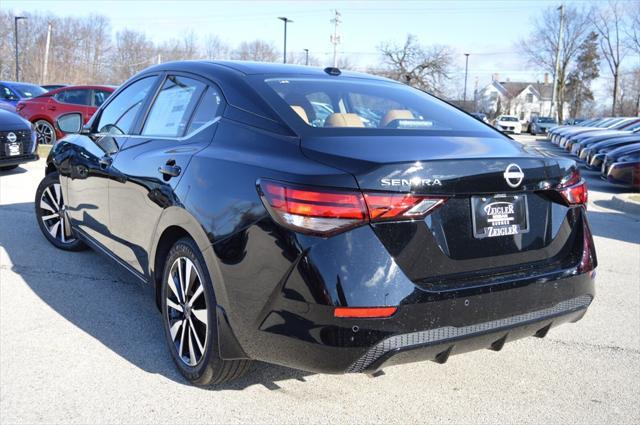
x,y
51,108
170,169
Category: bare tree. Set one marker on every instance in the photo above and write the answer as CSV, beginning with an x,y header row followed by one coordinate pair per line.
x,y
542,44
633,28
215,48
133,53
609,22
257,50
424,67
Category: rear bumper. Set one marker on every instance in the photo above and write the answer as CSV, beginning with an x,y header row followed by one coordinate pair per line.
x,y
316,341
7,161
438,344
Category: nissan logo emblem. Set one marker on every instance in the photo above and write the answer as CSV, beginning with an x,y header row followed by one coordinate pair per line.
x,y
513,175
11,137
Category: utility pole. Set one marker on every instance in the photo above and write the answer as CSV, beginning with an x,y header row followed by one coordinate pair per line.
x,y
46,55
159,59
286,21
15,39
554,108
306,57
466,71
335,37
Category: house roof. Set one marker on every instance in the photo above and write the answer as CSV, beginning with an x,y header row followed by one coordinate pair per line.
x,y
513,88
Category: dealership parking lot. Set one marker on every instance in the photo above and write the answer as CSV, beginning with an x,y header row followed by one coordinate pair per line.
x,y
81,342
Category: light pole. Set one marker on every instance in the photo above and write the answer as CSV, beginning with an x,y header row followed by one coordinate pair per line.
x,y
286,21
15,38
306,57
554,108
466,71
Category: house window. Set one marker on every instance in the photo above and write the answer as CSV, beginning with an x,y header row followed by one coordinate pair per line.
x,y
493,96
529,98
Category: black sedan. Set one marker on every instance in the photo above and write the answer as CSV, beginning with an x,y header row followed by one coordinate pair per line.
x,y
622,166
17,141
392,228
594,154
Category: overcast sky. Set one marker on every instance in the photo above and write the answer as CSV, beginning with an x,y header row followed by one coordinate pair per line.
x,y
488,30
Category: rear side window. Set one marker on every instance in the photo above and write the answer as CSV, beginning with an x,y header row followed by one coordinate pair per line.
x,y
208,109
119,115
323,103
74,97
99,96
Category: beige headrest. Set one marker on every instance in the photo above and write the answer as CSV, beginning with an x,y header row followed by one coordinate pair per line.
x,y
343,120
395,114
300,111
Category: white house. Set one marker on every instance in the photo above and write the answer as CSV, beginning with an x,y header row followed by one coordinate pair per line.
x,y
521,99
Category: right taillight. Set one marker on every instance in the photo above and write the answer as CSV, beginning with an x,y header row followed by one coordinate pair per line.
x,y
574,189
325,212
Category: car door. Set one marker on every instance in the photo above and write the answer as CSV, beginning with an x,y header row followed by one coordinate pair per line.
x,y
69,100
8,98
180,122
90,157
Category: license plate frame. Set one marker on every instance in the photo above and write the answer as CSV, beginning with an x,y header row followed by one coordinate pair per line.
x,y
499,215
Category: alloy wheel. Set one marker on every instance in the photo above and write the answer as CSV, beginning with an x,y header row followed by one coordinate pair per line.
x,y
187,311
52,214
45,133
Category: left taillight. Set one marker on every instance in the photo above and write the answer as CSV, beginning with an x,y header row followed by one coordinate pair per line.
x,y
574,189
325,212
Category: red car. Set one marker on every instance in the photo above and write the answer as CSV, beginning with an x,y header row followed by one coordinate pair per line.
x,y
43,110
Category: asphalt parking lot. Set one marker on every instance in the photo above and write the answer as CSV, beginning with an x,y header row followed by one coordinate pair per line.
x,y
82,342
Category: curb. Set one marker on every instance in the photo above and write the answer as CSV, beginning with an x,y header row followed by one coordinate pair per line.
x,y
621,204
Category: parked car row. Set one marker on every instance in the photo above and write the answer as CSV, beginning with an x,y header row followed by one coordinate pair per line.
x,y
42,105
610,145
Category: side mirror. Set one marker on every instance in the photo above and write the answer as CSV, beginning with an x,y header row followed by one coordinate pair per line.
x,y
70,123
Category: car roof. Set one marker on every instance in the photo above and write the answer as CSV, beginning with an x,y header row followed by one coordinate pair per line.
x,y
259,68
88,87
18,84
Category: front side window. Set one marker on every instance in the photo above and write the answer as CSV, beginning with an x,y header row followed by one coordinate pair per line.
x,y
368,104
6,93
119,115
170,112
74,97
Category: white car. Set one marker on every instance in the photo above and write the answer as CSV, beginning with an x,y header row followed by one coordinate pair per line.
x,y
508,124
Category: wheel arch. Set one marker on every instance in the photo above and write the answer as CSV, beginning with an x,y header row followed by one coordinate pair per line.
x,y
175,224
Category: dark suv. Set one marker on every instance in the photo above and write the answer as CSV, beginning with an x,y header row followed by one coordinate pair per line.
x,y
390,227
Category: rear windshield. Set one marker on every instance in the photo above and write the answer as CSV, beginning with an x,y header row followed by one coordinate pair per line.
x,y
368,104
28,91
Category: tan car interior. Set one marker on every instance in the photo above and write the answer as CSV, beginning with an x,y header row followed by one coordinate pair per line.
x,y
395,114
354,120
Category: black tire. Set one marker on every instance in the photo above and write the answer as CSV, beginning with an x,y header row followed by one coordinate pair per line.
x,y
8,167
50,203
208,369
